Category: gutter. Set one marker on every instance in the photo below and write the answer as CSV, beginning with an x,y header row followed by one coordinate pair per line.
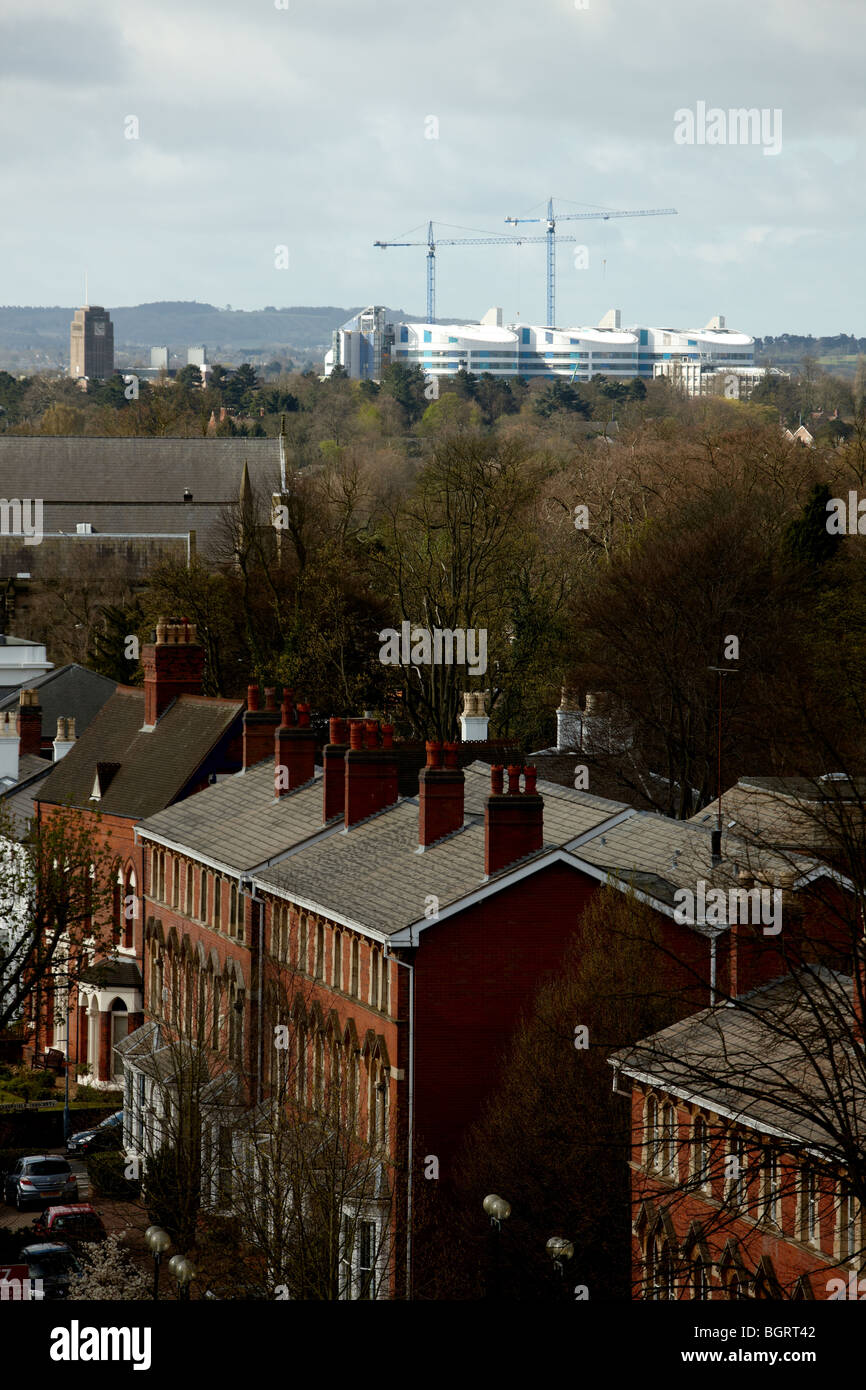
x,y
407,965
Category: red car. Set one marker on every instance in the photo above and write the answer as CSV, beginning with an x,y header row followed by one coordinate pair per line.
x,y
71,1225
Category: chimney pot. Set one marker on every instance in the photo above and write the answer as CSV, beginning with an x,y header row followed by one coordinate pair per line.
x,y
334,771
450,751
387,735
356,733
270,697
337,730
434,753
497,779
304,716
513,824
530,775
514,780
372,733
252,697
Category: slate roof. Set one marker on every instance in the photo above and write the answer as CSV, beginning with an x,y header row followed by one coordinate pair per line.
x,y
120,974
238,822
375,877
67,690
789,812
154,767
764,1061
659,855
18,798
134,485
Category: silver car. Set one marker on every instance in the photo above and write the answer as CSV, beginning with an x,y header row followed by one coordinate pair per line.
x,y
40,1178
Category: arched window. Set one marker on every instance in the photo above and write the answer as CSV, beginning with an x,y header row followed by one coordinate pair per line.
x,y
304,944
651,1131
335,1096
356,967
319,1073
302,1064
175,992
233,910
667,1288
188,1000
215,1015
201,1015
175,881
320,951
202,909
374,976
130,908
377,1104
338,960
117,908
218,903
669,1141
701,1151
700,1279
385,992
188,886
353,1092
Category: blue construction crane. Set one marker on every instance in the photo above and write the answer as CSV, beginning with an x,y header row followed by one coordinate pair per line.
x,y
551,239
433,241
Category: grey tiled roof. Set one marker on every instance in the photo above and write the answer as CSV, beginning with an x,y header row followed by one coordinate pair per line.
x,y
134,485
769,1061
154,767
238,822
18,799
660,855
67,690
374,875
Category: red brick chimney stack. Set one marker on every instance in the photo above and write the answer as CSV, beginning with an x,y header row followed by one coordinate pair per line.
x,y
334,765
173,665
260,726
294,749
29,723
440,794
371,770
513,820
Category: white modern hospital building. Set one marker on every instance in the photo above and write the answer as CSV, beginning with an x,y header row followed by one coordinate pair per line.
x,y
693,357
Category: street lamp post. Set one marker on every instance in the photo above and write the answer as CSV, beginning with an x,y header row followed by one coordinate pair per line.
x,y
498,1210
184,1272
159,1242
559,1249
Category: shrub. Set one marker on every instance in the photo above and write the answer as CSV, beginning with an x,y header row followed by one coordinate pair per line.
x,y
107,1176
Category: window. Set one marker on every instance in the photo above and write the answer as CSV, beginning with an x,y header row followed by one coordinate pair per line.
x,y
187,1013
175,882
770,1186
218,903
201,1019
665,1283
809,1223
233,910
366,1259
303,943
215,1016
378,1105
320,952
302,1065
188,908
202,907
651,1156
319,1073
346,1250
385,997
353,1094
130,907
224,1172
669,1141
736,1171
374,977
701,1152
356,961
847,1223
700,1280
338,960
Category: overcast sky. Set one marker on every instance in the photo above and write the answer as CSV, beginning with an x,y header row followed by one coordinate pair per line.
x,y
307,127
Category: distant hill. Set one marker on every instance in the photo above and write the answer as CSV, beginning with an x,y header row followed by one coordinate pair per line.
x,y
180,324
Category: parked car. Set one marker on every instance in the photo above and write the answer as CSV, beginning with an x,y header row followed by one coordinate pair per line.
x,y
107,1135
54,1264
40,1178
70,1225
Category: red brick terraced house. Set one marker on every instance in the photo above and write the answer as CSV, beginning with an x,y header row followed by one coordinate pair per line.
x,y
747,1166
147,748
396,939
